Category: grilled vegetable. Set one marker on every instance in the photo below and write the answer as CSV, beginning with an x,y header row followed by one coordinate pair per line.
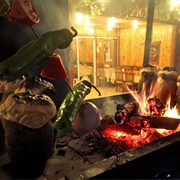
x,y
54,68
9,87
34,54
29,109
35,85
87,119
4,7
70,106
23,12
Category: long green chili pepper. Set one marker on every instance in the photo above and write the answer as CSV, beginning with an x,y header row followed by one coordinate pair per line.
x,y
35,53
70,106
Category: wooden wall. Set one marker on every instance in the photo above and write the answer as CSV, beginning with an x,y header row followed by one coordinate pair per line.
x,y
131,46
132,43
85,50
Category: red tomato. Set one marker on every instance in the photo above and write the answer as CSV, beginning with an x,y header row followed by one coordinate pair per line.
x,y
54,68
23,12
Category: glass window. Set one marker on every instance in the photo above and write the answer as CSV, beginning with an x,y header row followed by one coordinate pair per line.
x,y
115,34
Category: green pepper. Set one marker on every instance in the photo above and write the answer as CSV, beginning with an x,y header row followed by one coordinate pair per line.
x,y
5,65
35,53
71,105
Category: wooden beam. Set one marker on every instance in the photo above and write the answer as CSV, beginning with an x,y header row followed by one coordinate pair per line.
x,y
150,17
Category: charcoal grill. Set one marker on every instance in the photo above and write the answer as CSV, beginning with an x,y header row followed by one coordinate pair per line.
x,y
158,159
78,157
146,162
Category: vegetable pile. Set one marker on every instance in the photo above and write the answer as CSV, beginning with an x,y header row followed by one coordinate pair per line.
x,y
26,111
40,53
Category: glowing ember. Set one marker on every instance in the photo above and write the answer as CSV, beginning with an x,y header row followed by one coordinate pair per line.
x,y
132,133
126,137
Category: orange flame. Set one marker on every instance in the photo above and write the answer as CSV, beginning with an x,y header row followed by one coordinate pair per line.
x,y
171,112
142,98
124,136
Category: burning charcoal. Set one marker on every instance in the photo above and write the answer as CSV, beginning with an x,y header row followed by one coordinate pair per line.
x,y
156,107
148,79
167,85
106,122
125,111
137,122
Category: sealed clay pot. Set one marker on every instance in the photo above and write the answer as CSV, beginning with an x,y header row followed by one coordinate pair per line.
x,y
167,86
29,149
149,75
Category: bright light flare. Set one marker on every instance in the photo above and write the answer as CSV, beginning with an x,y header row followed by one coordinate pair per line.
x,y
87,22
135,24
79,18
174,4
172,112
111,23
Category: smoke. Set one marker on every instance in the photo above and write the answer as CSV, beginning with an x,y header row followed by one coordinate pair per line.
x,y
53,15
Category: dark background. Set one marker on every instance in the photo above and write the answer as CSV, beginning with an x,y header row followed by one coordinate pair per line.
x,y
53,15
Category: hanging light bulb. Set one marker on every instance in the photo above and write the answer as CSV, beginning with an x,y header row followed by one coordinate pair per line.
x,y
174,4
79,18
111,23
87,23
91,30
135,24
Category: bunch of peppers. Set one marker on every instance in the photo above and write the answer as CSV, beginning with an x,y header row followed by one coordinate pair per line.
x,y
37,53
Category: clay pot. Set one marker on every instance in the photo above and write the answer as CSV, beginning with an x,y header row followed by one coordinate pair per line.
x,y
29,149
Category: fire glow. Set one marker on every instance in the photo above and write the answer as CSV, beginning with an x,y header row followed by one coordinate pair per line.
x,y
126,137
142,100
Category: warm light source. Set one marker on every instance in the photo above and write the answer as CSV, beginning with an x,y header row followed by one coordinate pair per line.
x,y
174,4
135,24
91,30
111,23
79,18
83,20
87,23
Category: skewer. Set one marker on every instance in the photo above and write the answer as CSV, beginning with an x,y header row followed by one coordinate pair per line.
x,y
107,143
34,32
38,37
68,86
